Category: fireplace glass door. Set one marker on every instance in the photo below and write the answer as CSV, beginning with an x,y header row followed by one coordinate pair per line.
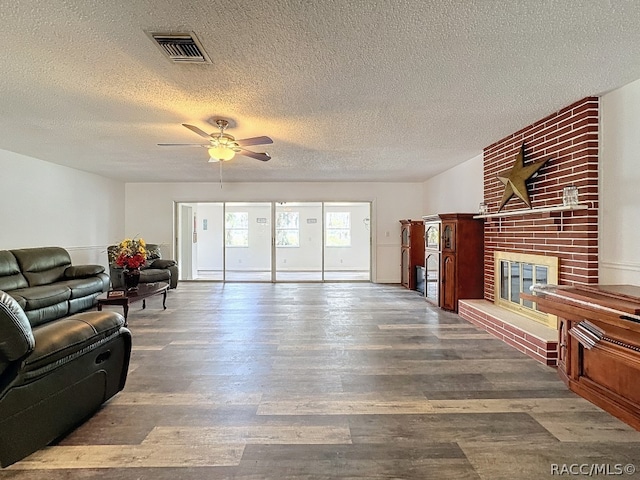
x,y
518,277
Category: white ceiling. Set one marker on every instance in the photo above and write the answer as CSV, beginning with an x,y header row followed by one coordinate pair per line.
x,y
349,90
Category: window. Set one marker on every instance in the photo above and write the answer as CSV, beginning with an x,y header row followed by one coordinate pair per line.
x,y
236,226
338,229
288,229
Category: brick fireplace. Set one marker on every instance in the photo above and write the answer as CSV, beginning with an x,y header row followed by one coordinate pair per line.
x,y
570,138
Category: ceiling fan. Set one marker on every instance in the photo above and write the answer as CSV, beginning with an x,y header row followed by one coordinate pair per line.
x,y
222,147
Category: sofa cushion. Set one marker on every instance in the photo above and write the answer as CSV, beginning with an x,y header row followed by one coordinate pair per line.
x,y
161,263
152,275
83,271
10,276
44,265
84,303
16,337
58,340
43,295
83,287
47,314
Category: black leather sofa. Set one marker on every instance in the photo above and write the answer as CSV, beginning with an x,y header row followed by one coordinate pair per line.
x,y
46,285
155,269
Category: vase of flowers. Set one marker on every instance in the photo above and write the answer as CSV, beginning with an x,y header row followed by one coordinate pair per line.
x,y
131,255
131,279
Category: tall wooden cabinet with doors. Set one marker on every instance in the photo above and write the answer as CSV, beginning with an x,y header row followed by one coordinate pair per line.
x,y
454,263
412,240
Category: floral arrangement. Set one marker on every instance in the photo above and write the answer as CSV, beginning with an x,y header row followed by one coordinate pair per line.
x,y
132,253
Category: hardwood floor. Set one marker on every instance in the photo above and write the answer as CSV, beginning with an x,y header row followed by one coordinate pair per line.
x,y
328,381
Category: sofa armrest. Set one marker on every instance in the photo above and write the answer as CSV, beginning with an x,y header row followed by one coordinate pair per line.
x,y
116,275
16,337
161,263
82,271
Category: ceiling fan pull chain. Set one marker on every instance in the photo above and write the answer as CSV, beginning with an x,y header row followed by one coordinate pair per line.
x,y
220,163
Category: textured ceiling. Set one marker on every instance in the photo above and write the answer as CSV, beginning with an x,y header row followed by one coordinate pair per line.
x,y
349,90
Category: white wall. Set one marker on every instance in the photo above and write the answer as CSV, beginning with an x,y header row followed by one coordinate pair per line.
x,y
44,204
619,214
390,203
457,190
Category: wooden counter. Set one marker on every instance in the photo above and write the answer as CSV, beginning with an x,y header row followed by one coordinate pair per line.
x,y
599,343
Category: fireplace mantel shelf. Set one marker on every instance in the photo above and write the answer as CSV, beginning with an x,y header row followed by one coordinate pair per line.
x,y
557,208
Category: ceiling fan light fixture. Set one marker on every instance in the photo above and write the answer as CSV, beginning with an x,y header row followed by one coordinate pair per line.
x,y
222,146
221,153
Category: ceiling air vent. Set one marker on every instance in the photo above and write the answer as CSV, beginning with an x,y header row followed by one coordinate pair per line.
x,y
181,47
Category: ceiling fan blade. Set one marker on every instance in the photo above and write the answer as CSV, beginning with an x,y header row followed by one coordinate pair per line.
x,y
183,145
264,157
245,142
196,130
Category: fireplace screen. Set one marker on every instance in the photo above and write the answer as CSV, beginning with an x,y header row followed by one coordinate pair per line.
x,y
516,273
516,277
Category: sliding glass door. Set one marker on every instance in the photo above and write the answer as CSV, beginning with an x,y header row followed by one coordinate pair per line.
x,y
266,241
298,242
247,242
347,241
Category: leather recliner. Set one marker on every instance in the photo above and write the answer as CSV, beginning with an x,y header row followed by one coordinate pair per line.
x,y
155,269
55,374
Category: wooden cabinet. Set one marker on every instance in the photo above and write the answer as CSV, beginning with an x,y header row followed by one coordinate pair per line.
x,y
454,252
599,343
448,299
412,240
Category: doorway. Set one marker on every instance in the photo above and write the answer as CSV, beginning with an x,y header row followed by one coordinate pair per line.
x,y
274,241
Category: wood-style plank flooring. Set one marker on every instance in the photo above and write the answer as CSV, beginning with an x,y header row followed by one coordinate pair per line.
x,y
328,381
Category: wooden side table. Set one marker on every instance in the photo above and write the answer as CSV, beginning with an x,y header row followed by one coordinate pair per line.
x,y
144,291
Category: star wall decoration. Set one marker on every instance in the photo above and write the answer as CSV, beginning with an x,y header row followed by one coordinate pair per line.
x,y
515,179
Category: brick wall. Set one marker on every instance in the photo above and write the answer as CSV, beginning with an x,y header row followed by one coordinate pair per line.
x,y
570,138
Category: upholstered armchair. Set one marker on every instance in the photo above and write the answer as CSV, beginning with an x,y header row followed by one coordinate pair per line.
x,y
155,269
